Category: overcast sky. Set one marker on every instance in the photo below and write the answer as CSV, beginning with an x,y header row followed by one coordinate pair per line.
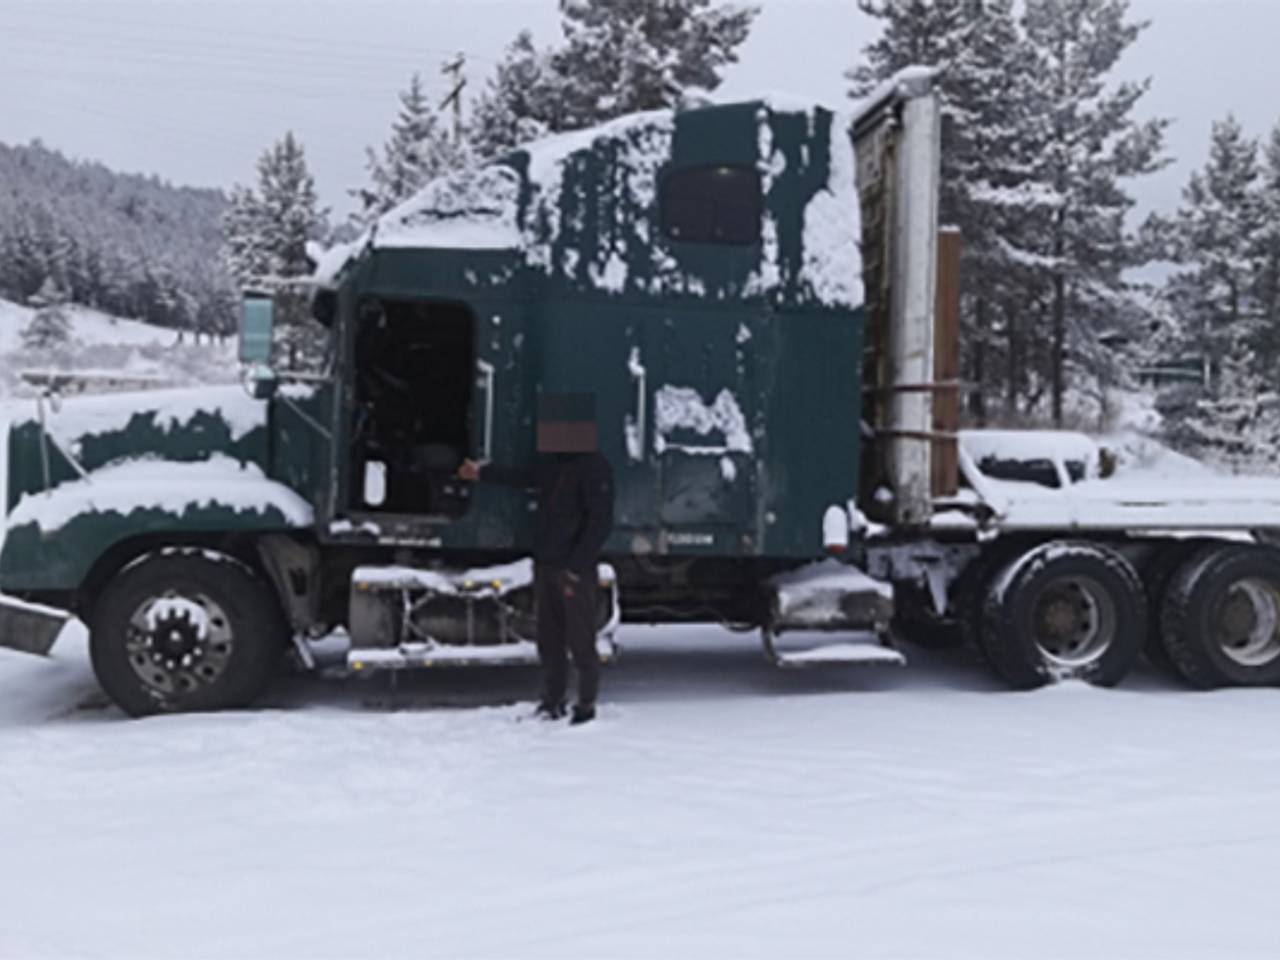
x,y
194,89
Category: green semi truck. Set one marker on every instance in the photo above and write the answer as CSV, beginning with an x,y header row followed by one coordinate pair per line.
x,y
761,300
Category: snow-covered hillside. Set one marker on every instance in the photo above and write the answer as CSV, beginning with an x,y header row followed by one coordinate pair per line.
x,y
91,327
719,808
105,345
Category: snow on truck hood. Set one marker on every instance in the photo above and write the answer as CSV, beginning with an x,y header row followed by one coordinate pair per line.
x,y
78,418
479,208
173,487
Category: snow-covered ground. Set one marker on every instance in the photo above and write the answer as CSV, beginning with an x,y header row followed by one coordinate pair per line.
x,y
719,807
104,345
88,325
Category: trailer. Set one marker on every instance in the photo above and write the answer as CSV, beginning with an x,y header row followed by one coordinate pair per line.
x,y
762,301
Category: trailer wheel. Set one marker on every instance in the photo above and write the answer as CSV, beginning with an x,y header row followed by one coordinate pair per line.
x,y
1062,611
180,631
1221,617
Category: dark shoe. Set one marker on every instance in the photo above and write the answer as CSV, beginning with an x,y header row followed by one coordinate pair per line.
x,y
582,713
547,710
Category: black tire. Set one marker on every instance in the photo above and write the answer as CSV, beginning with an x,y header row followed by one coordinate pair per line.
x,y
917,622
1157,571
1064,610
929,633
1221,617
969,592
245,634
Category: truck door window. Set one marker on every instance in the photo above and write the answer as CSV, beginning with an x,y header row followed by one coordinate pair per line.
x,y
717,204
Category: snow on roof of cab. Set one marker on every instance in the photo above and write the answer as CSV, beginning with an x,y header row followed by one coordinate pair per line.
x,y
480,209
548,153
473,209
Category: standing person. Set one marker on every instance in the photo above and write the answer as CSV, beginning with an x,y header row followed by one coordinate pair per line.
x,y
575,516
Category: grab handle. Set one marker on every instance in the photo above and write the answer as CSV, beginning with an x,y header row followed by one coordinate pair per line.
x,y
487,375
635,425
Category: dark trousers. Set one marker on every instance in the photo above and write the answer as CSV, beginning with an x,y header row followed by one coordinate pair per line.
x,y
567,628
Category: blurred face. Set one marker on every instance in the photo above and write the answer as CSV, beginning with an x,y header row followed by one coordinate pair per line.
x,y
567,423
566,436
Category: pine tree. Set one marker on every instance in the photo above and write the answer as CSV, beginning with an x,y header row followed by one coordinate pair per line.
x,y
629,55
1222,237
267,231
617,57
1267,341
1092,144
419,149
245,251
522,101
1216,234
50,328
289,208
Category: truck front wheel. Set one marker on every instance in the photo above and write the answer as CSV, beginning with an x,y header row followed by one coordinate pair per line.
x,y
1064,611
185,630
1221,617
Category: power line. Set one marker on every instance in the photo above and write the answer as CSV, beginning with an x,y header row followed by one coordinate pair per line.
x,y
124,52
153,27
142,124
293,83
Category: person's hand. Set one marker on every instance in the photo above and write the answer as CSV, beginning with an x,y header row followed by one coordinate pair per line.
x,y
571,581
469,470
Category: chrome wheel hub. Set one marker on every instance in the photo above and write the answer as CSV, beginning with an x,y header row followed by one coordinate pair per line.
x,y
179,643
1073,621
1248,627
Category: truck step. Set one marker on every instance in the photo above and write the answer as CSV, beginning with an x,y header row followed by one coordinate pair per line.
x,y
425,656
830,654
862,648
829,595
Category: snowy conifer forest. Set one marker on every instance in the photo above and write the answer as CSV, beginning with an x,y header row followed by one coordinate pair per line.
x,y
129,245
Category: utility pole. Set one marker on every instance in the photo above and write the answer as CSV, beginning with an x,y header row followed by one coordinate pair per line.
x,y
455,69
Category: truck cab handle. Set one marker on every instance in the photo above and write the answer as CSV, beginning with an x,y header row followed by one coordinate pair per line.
x,y
487,375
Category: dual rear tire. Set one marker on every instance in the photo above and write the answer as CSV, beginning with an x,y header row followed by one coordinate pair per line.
x,y
1064,610
1220,617
1076,610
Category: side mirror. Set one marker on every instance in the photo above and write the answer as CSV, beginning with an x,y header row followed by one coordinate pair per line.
x,y
256,325
261,381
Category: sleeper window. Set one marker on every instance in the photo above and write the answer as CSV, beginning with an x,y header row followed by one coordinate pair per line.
x,y
720,204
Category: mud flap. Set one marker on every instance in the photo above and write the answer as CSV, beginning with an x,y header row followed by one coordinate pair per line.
x,y
29,627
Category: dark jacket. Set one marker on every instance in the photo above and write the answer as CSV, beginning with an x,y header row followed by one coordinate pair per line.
x,y
575,506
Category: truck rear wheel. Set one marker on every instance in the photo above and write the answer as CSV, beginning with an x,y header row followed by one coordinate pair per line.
x,y
1221,617
969,592
185,630
1064,611
1157,571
